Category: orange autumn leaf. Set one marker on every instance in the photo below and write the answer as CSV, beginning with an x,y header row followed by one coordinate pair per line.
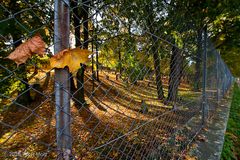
x,y
34,45
71,58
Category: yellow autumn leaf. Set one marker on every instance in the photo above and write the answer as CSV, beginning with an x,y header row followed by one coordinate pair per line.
x,y
71,58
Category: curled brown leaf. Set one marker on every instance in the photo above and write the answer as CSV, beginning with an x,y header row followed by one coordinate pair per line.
x,y
34,45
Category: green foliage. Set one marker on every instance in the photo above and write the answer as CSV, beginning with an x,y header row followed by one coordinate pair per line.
x,y
178,40
134,69
39,61
133,62
231,148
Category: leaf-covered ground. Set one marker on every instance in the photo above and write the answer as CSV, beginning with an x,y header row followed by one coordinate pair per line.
x,y
112,124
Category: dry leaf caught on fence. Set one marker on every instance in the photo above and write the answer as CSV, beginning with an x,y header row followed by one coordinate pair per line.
x,y
34,45
71,58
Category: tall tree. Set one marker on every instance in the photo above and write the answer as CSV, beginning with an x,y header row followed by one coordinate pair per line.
x,y
76,21
85,12
198,60
154,49
80,73
176,70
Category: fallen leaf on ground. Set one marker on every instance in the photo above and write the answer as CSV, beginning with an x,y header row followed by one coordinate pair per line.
x,y
71,58
205,129
180,138
187,157
202,138
34,45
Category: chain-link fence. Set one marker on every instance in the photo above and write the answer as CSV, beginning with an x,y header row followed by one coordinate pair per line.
x,y
152,80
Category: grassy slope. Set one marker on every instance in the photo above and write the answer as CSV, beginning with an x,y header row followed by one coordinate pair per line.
x,y
231,148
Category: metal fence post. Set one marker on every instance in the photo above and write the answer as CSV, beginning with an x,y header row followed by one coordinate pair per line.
x,y
218,78
204,83
62,83
224,81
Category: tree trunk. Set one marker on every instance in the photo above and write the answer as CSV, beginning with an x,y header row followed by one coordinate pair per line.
x,y
176,69
80,85
85,23
76,22
198,62
157,70
24,94
97,63
154,49
47,80
72,84
118,76
120,62
80,73
93,76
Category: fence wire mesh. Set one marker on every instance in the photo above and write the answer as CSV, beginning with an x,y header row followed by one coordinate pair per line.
x,y
152,80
